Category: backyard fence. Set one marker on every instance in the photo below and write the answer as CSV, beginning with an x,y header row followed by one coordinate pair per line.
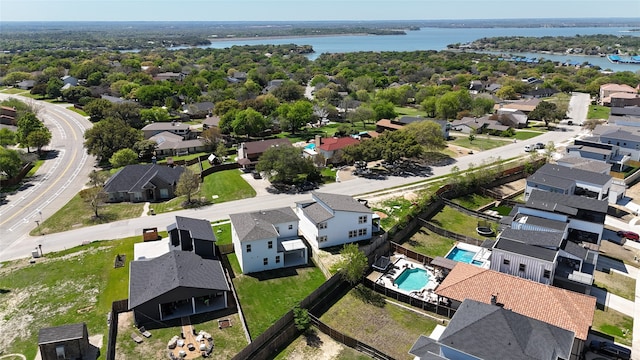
x,y
421,258
348,340
475,213
117,307
217,168
450,234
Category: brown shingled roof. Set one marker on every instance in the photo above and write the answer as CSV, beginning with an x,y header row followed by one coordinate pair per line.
x,y
563,308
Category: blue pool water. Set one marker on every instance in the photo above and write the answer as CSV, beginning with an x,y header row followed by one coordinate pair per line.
x,y
412,279
310,146
461,255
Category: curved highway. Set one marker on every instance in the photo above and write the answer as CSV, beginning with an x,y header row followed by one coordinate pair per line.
x,y
60,178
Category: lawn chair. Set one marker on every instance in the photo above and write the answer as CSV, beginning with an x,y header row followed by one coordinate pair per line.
x,y
144,332
135,337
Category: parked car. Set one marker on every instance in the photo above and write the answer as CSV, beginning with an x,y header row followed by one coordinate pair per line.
x,y
528,148
539,146
610,349
256,174
628,235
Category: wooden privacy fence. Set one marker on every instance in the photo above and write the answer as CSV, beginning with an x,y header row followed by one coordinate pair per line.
x,y
450,235
477,214
116,308
348,340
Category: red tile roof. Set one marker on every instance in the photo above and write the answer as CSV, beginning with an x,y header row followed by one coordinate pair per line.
x,y
332,144
563,308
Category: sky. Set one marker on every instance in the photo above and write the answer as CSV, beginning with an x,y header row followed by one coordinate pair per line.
x,y
305,10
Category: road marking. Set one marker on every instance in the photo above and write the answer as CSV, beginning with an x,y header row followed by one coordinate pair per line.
x,y
64,172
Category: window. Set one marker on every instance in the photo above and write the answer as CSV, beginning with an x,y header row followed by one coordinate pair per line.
x,y
60,352
546,274
265,261
290,227
248,248
278,259
270,244
362,219
322,225
353,233
164,193
522,267
506,261
322,238
362,232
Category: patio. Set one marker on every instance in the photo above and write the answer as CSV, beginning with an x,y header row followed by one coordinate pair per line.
x,y
400,263
190,345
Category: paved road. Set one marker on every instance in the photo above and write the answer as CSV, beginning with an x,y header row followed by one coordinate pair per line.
x,y
59,179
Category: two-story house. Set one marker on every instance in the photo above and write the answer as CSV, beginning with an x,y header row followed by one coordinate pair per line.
x,y
267,239
331,219
568,181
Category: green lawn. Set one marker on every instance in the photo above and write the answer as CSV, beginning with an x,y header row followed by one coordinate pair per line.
x,y
77,213
615,324
479,143
390,329
428,243
35,168
76,110
223,233
76,285
268,295
598,112
617,284
409,111
458,222
395,209
524,134
473,201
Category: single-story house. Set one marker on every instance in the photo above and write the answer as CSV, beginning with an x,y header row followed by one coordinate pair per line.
x,y
249,152
143,182
199,109
565,309
8,115
327,147
176,284
69,341
267,239
525,105
26,84
399,123
331,219
170,144
210,121
489,331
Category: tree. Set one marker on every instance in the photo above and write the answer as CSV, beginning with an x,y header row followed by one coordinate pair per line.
x,y
155,114
384,110
301,318
153,95
75,93
507,92
8,137
97,109
428,134
447,106
108,136
289,91
128,112
27,123
294,116
98,178
10,162
353,264
249,122
284,164
547,112
54,88
188,183
211,137
123,157
39,138
95,197
363,114
145,149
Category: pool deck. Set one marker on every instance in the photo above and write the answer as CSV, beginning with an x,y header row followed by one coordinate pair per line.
x,y
400,262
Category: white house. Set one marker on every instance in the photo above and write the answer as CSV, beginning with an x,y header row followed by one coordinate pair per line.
x,y
267,239
331,219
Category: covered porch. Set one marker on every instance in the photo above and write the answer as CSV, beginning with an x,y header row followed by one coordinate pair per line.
x,y
193,305
294,252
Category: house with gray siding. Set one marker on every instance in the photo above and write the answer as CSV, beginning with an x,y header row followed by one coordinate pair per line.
x,y
267,240
176,284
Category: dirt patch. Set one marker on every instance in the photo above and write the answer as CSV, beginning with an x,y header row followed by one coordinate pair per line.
x,y
633,192
457,151
315,346
510,188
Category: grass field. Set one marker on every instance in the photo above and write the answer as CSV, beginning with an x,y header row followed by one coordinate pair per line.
x,y
615,324
479,143
615,283
390,329
473,201
77,213
524,134
268,295
425,242
455,221
598,112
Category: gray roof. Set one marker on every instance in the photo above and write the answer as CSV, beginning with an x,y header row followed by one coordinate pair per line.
x,y
522,248
575,249
533,237
259,225
550,180
425,348
492,332
165,126
149,279
316,212
340,202
258,147
555,225
198,228
574,174
622,135
576,162
61,333
550,201
627,110
136,178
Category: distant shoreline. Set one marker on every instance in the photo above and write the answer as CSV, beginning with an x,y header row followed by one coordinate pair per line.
x,y
273,37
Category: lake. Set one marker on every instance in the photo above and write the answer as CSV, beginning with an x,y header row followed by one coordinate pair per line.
x,y
438,39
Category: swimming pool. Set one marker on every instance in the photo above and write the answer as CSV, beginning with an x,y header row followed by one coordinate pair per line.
x,y
461,255
412,279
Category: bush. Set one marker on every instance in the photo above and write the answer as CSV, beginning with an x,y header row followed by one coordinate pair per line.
x,y
369,296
